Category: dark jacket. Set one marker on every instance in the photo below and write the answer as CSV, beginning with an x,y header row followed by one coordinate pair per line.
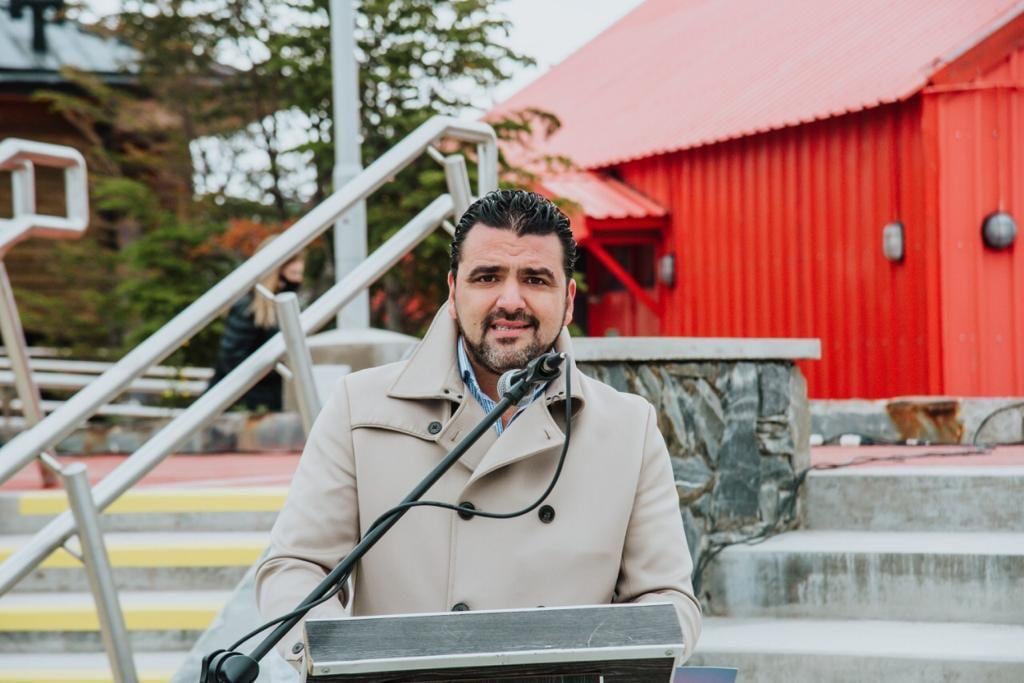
x,y
241,338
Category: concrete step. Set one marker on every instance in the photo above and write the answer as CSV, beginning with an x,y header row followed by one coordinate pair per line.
x,y
154,509
67,622
59,667
151,561
942,577
904,498
811,651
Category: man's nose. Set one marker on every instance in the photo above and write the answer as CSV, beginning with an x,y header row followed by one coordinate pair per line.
x,y
511,298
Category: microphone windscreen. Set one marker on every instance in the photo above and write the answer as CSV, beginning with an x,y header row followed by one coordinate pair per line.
x,y
505,383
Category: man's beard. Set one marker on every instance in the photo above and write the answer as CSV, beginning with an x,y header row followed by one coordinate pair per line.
x,y
497,358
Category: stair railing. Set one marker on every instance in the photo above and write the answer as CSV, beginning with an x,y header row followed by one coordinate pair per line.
x,y
28,445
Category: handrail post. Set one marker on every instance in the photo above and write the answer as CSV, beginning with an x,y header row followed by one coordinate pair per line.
x,y
101,576
487,168
457,177
24,384
299,360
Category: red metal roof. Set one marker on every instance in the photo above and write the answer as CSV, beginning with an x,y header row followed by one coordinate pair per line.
x,y
601,197
675,74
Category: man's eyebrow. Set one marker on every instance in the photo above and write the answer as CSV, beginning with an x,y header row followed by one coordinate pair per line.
x,y
543,272
486,270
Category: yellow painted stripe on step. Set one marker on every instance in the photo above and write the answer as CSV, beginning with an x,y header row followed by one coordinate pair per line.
x,y
165,500
53,618
43,676
152,555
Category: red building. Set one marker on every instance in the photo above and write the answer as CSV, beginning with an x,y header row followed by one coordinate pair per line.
x,y
738,169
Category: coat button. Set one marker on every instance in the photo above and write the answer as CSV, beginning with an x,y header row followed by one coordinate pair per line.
x,y
465,514
434,427
546,514
297,648
460,607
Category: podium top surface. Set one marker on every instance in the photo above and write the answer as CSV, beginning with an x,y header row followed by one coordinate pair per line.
x,y
493,638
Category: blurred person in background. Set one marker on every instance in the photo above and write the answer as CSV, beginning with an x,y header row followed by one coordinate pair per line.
x,y
251,321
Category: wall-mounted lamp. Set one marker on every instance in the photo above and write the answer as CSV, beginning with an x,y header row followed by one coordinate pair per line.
x,y
667,270
998,230
893,246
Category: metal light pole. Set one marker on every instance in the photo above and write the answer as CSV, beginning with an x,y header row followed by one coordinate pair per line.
x,y
350,230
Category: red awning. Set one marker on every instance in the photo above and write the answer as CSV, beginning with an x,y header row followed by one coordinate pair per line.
x,y
600,199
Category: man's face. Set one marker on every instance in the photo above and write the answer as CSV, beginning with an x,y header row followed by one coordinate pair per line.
x,y
509,297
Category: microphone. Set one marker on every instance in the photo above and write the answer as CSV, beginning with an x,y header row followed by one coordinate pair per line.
x,y
543,368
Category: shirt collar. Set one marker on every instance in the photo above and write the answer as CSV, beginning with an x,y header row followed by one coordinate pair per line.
x,y
466,371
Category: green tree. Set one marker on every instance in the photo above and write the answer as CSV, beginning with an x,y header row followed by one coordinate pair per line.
x,y
418,58
222,80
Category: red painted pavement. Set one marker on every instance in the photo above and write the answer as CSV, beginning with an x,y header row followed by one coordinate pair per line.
x,y
250,469
275,469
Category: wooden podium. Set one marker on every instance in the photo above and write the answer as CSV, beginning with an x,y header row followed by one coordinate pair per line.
x,y
612,643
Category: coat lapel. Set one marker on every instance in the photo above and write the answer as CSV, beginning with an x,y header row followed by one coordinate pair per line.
x,y
535,430
530,434
466,416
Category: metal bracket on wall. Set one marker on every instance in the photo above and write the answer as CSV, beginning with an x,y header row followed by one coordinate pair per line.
x,y
20,157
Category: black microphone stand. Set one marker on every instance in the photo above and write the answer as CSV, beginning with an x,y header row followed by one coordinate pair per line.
x,y
228,666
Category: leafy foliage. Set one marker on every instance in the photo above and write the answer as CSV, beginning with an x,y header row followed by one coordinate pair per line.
x,y
228,136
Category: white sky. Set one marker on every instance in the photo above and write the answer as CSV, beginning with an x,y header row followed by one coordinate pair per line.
x,y
547,30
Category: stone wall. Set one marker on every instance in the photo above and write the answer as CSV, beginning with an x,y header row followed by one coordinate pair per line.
x,y
737,432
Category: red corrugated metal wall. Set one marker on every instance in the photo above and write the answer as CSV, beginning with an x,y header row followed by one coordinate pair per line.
x,y
979,160
779,235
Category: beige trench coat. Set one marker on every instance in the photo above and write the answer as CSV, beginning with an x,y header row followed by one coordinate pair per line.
x,y
616,534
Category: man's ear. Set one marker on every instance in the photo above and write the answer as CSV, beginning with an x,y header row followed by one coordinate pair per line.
x,y
451,295
570,300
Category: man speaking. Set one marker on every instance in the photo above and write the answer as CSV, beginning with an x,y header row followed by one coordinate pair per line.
x,y
610,530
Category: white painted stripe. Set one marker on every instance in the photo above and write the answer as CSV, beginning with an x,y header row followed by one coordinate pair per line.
x,y
451,661
888,542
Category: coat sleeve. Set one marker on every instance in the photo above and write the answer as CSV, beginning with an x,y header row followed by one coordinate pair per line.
x,y
656,564
317,527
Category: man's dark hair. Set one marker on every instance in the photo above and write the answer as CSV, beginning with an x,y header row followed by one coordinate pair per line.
x,y
522,211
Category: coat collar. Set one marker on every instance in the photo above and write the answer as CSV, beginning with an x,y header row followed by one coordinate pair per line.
x,y
432,373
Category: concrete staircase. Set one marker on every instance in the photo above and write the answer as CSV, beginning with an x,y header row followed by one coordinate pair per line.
x,y
908,574
177,555
902,573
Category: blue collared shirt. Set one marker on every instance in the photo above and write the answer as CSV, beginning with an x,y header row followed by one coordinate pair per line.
x,y
469,377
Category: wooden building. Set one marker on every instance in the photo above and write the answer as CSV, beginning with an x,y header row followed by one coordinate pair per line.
x,y
25,72
809,168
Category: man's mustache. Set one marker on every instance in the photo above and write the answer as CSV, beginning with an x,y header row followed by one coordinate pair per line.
x,y
510,316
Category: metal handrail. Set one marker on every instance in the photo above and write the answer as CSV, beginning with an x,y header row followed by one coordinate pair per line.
x,y
69,381
92,367
20,157
207,407
223,394
62,422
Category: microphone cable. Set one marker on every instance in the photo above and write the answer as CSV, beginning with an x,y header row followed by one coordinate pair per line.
x,y
305,607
